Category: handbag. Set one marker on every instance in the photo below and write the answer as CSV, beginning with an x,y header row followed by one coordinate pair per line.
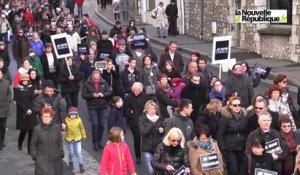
x,y
155,14
150,89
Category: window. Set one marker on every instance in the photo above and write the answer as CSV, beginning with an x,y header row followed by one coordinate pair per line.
x,y
150,4
284,5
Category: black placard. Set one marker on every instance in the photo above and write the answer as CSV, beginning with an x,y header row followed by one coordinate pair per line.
x,y
83,49
139,41
209,161
259,171
222,50
61,46
273,146
180,171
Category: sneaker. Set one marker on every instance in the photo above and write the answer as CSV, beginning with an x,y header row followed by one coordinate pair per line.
x,y
81,168
20,147
164,37
96,147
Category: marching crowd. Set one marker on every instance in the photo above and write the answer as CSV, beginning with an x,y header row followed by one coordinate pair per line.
x,y
184,120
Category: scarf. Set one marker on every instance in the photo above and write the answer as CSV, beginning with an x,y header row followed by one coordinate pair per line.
x,y
150,116
206,146
166,88
290,141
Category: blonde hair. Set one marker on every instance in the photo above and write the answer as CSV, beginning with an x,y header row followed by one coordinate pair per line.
x,y
148,104
174,133
213,105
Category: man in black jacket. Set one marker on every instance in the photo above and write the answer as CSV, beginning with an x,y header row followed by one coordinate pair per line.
x,y
94,91
273,139
261,105
196,92
172,13
133,107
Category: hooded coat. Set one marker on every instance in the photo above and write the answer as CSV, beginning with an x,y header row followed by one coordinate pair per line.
x,y
232,130
47,149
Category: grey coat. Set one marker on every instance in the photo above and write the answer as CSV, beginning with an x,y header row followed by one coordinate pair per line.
x,y
47,149
6,95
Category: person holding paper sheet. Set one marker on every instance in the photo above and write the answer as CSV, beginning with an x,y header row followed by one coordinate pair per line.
x,y
258,158
171,154
204,145
273,139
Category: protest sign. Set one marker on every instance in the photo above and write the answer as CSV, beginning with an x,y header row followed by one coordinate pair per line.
x,y
180,171
139,41
100,65
273,146
259,171
221,49
61,45
83,49
209,161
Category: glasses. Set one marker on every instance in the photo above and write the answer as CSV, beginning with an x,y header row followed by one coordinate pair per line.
x,y
20,32
218,85
177,141
286,126
259,108
236,105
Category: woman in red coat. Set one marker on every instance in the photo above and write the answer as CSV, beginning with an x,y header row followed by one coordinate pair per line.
x,y
116,156
79,6
28,16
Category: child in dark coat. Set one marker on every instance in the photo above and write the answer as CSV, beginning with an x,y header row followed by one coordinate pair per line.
x,y
116,116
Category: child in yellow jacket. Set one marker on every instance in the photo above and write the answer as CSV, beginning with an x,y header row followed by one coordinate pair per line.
x,y
75,133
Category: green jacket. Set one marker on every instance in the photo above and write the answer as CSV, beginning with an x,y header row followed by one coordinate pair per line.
x,y
35,62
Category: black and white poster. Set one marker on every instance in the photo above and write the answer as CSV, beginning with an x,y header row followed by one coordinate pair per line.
x,y
83,49
100,65
139,41
102,55
261,71
273,146
221,49
61,46
209,161
180,171
259,171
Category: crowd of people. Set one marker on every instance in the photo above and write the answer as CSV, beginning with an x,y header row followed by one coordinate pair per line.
x,y
182,118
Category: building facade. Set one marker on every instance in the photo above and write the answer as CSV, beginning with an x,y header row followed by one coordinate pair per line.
x,y
205,19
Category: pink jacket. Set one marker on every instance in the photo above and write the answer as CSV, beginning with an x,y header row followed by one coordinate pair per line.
x,y
176,91
115,160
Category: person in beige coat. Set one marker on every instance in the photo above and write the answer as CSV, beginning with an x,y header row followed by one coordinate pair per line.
x,y
203,145
160,21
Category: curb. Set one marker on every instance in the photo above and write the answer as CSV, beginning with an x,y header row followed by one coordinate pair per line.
x,y
188,51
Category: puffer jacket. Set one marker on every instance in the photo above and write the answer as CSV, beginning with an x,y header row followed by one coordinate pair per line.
x,y
195,151
89,89
115,160
149,133
74,129
38,47
169,155
232,131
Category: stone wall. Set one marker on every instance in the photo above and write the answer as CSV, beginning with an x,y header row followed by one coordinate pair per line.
x,y
213,10
275,46
249,36
295,41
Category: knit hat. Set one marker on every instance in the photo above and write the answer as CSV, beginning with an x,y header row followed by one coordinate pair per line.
x,y
176,81
162,75
24,77
73,111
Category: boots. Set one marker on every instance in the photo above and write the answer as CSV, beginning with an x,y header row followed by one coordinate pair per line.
x,y
81,168
71,167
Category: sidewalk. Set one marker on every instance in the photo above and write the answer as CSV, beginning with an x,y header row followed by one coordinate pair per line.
x,y
188,44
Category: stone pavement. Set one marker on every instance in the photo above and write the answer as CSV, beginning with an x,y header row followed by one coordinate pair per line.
x,y
188,44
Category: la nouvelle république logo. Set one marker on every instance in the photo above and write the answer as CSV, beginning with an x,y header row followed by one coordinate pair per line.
x,y
261,16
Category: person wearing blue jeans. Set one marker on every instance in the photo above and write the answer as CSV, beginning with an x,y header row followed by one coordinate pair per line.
x,y
75,133
160,20
95,91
